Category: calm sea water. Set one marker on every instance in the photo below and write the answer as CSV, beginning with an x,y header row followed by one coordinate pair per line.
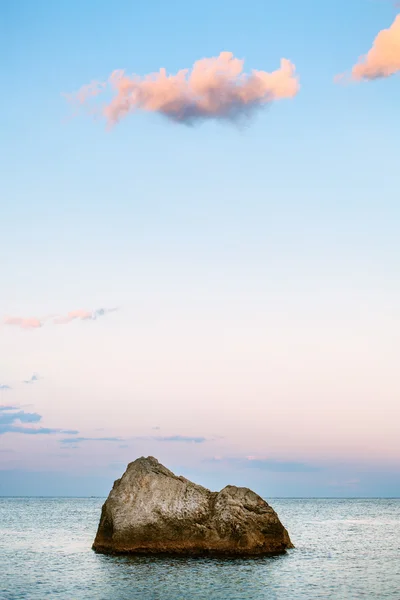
x,y
345,549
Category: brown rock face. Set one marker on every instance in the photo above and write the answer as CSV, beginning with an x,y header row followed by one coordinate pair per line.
x,y
152,511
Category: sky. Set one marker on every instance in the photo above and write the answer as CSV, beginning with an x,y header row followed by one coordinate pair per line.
x,y
200,265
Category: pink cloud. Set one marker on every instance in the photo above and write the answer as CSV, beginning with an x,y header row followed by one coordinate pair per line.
x,y
80,314
74,314
383,60
214,88
86,93
89,91
24,323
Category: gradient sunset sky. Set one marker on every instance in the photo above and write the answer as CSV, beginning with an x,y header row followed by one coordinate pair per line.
x,y
215,280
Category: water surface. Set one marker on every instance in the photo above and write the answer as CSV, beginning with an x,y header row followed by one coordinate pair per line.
x,y
345,550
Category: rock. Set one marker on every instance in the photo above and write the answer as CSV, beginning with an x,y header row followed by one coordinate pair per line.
x,y
152,511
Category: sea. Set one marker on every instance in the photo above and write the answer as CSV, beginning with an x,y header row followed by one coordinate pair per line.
x,y
345,549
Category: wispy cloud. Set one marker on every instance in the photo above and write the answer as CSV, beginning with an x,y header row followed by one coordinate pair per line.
x,y
383,59
180,438
23,322
80,315
78,440
33,430
12,420
214,88
265,464
4,387
7,417
35,377
185,439
172,439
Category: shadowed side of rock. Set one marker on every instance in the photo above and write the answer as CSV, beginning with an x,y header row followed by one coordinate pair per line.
x,y
152,511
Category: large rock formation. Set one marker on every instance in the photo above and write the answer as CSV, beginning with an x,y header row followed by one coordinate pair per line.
x,y
150,511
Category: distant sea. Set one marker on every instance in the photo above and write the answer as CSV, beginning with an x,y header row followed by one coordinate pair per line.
x,y
345,549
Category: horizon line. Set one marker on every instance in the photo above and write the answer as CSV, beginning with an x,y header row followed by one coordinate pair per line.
x,y
263,497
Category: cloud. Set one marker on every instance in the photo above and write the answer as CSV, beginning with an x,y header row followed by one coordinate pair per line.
x,y
68,431
78,440
180,438
214,88
4,387
74,441
383,60
35,323
24,323
35,377
83,315
32,430
172,438
265,464
9,415
89,91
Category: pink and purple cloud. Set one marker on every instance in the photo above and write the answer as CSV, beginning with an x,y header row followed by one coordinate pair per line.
x,y
383,59
35,323
214,88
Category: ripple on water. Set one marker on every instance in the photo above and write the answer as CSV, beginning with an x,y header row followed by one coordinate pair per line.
x,y
345,550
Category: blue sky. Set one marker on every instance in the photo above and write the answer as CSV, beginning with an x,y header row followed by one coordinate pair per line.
x,y
255,269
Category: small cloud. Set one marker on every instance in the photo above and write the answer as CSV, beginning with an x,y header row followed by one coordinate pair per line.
x,y
35,377
383,59
23,322
80,315
156,428
22,416
4,387
214,88
12,420
165,439
78,440
32,430
180,438
88,91
172,438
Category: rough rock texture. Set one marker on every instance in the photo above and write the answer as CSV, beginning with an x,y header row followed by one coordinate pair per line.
x,y
151,511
